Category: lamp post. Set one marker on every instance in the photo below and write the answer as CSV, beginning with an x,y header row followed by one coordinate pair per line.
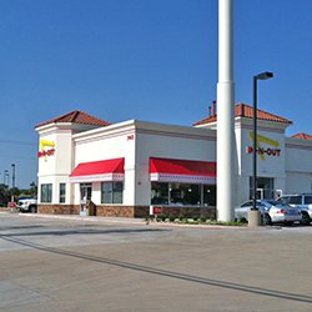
x,y
13,175
6,174
262,76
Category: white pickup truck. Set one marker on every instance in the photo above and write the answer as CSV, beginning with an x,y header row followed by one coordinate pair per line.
x,y
27,205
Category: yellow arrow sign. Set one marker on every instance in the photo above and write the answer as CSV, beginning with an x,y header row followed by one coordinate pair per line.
x,y
263,139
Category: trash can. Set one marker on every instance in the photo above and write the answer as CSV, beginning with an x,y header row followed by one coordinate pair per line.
x,y
90,208
254,218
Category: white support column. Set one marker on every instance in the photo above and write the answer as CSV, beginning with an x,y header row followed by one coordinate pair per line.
x,y
226,152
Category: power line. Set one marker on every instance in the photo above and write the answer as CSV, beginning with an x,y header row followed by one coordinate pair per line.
x,y
17,157
18,142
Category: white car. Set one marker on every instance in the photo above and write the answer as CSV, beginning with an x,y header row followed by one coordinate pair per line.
x,y
27,205
271,212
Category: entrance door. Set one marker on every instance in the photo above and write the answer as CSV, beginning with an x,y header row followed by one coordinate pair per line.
x,y
265,188
85,191
260,193
85,195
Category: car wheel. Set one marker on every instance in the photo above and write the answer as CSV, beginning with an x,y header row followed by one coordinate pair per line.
x,y
306,220
32,209
266,220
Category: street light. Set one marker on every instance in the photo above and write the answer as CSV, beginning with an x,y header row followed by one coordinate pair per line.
x,y
262,76
6,174
13,175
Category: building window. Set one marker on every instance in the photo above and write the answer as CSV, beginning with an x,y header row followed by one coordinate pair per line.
x,y
62,193
183,194
46,193
209,195
111,192
160,193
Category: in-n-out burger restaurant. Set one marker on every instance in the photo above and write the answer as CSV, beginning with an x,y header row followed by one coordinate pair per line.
x,y
134,168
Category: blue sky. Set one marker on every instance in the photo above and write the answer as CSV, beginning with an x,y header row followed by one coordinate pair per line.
x,y
153,60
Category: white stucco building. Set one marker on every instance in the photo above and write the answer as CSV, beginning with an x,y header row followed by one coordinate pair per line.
x,y
127,167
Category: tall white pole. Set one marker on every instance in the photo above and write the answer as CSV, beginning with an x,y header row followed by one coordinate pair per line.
x,y
226,151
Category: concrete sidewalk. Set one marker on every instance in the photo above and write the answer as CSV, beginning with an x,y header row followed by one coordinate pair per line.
x,y
144,222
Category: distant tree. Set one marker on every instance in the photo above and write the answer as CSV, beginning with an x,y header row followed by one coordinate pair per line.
x,y
33,189
15,191
4,195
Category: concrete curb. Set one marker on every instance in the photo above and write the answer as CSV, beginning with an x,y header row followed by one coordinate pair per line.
x,y
88,219
143,222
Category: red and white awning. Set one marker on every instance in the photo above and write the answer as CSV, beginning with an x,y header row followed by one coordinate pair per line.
x,y
103,170
182,171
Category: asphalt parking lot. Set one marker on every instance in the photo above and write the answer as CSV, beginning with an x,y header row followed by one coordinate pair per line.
x,y
74,265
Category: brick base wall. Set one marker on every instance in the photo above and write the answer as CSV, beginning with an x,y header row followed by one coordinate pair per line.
x,y
101,211
59,209
122,211
189,212
131,211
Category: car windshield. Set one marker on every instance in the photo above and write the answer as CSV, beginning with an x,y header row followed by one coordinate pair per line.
x,y
273,202
270,203
278,204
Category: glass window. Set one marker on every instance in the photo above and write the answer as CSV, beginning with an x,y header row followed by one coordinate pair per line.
x,y
85,191
209,195
62,193
46,193
160,193
265,188
111,192
308,200
185,194
284,200
106,192
296,200
117,192
247,204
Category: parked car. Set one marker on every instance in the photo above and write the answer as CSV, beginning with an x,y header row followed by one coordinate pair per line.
x,y
27,205
303,201
271,212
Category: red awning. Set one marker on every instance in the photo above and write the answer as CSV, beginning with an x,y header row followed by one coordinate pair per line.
x,y
103,170
187,171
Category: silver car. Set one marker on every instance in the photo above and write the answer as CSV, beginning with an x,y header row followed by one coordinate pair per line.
x,y
302,201
271,212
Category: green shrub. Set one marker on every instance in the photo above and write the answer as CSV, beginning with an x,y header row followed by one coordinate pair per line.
x,y
171,218
203,219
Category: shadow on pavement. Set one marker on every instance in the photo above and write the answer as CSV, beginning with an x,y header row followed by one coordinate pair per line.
x,y
81,231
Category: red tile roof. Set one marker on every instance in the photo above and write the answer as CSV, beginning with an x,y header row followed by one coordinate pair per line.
x,y
244,110
303,136
79,117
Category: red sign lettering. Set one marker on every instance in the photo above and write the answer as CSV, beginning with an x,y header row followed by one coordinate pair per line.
x,y
46,153
265,151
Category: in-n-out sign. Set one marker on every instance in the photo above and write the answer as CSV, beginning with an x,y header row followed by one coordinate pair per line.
x,y
43,151
261,151
265,151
